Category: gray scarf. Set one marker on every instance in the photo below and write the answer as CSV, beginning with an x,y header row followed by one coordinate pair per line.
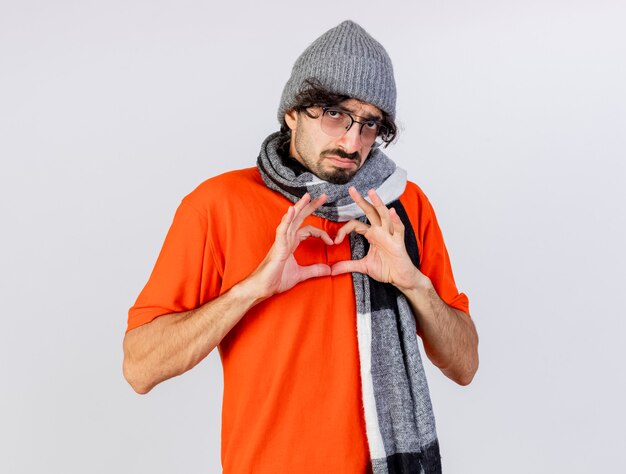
x,y
399,420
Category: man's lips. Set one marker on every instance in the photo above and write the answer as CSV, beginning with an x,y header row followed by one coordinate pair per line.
x,y
340,162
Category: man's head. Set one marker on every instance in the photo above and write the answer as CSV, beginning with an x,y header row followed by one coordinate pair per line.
x,y
340,97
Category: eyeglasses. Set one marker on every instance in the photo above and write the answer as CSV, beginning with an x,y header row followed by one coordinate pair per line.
x,y
336,122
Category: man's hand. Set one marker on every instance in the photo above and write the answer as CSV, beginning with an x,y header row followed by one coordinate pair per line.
x,y
174,343
449,335
279,271
387,260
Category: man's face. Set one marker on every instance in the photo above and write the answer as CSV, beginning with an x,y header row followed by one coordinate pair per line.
x,y
333,159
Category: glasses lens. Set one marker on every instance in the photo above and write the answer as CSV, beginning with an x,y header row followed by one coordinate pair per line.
x,y
335,122
369,132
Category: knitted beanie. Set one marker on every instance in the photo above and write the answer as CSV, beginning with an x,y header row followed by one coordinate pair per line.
x,y
345,60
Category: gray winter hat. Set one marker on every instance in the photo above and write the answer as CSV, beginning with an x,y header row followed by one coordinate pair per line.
x,y
348,61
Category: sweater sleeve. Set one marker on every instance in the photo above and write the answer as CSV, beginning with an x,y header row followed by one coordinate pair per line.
x,y
434,258
185,275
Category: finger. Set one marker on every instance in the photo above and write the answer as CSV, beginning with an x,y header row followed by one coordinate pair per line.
x,y
396,222
302,203
348,266
314,271
281,230
383,211
297,207
366,207
309,209
351,226
310,231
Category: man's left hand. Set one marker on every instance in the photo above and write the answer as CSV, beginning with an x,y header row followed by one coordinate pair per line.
x,y
387,260
449,335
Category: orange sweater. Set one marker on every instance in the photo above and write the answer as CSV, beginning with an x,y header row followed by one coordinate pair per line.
x,y
292,400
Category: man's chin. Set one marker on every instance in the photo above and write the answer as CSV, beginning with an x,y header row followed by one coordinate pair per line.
x,y
338,176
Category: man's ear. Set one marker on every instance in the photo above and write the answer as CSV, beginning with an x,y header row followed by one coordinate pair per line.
x,y
291,118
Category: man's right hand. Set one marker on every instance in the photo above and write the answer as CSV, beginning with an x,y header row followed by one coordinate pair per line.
x,y
280,271
174,343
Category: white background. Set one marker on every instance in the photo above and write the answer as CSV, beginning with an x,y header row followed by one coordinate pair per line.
x,y
514,123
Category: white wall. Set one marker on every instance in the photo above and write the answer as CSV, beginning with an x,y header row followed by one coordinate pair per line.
x,y
514,121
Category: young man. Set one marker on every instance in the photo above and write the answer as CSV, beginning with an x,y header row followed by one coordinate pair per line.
x,y
313,273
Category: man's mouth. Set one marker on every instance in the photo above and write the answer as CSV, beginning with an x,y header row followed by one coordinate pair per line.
x,y
342,160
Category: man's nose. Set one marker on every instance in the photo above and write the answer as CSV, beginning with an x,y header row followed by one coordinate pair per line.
x,y
351,140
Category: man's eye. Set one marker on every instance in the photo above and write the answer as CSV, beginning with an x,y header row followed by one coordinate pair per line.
x,y
371,125
335,114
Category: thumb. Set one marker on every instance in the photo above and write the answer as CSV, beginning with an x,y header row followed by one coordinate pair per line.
x,y
314,271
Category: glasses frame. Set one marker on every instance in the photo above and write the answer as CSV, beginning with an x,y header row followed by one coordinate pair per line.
x,y
382,129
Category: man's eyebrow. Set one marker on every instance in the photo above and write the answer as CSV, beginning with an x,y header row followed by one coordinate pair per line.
x,y
375,117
